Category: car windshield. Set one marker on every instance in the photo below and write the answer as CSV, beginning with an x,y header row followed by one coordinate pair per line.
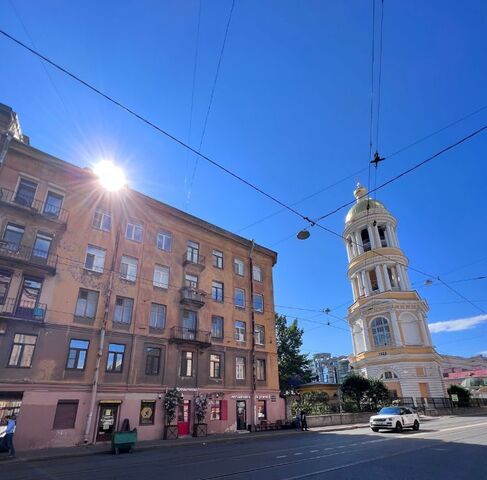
x,y
390,411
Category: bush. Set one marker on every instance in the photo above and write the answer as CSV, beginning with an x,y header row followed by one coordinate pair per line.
x,y
313,403
463,394
172,399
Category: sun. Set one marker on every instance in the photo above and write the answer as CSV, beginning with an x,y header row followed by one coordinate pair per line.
x,y
111,177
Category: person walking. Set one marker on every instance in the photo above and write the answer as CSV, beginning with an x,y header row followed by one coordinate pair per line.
x,y
304,423
9,435
298,420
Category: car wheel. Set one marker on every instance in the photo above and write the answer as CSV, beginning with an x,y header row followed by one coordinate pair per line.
x,y
374,429
416,425
398,428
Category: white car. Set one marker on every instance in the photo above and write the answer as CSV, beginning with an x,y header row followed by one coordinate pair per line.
x,y
395,418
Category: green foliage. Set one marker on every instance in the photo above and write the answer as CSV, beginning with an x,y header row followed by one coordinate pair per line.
x,y
294,366
172,399
463,393
313,403
363,393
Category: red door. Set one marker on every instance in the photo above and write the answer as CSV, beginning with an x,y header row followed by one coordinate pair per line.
x,y
184,417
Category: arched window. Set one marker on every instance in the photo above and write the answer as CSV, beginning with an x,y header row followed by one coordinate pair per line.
x,y
381,331
364,235
388,376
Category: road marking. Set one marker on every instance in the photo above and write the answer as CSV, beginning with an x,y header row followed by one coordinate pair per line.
x,y
298,453
329,448
313,451
281,456
341,446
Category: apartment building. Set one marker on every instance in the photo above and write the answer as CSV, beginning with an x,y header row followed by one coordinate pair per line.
x,y
107,299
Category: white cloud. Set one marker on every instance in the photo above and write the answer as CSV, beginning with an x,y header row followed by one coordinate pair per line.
x,y
484,353
457,325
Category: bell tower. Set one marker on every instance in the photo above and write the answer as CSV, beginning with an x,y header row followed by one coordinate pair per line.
x,y
391,339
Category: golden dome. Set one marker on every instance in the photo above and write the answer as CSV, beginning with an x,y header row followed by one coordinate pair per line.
x,y
363,204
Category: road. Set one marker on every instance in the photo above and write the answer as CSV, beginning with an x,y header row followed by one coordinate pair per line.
x,y
444,448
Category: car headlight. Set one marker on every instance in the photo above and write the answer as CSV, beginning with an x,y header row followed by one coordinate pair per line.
x,y
389,419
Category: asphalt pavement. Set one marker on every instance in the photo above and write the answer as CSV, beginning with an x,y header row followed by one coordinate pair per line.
x,y
444,448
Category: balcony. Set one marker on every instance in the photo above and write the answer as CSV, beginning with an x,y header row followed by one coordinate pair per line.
x,y
23,310
188,335
32,206
192,297
194,260
36,260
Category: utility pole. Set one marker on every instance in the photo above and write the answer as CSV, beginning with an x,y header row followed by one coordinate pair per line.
x,y
252,316
96,374
339,391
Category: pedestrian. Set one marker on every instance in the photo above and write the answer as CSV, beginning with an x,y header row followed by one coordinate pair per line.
x,y
298,420
9,435
304,423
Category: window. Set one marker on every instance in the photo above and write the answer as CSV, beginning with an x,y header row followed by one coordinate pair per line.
x,y
260,369
186,367
123,310
393,277
239,298
42,245
78,350
257,273
260,334
128,268
190,321
152,360
65,416
115,357
161,276
95,259
164,240
191,281
192,252
388,376
217,259
240,368
364,235
215,410
147,411
381,332
22,350
373,280
239,331
382,235
238,266
261,410
258,302
215,365
26,191
102,220
157,316
217,327
86,304
134,231
52,207
30,292
13,236
217,291
5,278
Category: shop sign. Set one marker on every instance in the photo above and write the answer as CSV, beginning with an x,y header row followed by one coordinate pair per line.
x,y
262,397
240,396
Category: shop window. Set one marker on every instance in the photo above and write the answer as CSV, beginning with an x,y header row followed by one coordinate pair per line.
x,y
261,410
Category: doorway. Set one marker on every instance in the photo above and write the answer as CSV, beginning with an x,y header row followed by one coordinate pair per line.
x,y
184,411
241,415
107,422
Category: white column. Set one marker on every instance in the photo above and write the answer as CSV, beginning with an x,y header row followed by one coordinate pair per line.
x,y
354,288
388,235
378,273
425,330
404,277
349,250
366,282
373,243
365,333
387,281
376,235
394,236
395,328
358,243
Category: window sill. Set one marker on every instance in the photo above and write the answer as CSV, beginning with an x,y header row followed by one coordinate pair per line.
x,y
84,320
156,330
217,339
100,229
94,273
161,287
238,307
130,282
121,326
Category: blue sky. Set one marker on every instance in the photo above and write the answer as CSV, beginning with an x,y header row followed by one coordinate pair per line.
x,y
291,114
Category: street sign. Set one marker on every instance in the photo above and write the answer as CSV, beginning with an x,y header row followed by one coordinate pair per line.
x,y
454,397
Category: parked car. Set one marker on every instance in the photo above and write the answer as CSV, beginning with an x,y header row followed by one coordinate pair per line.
x,y
395,418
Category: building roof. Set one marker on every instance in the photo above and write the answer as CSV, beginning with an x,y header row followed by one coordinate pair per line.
x,y
363,204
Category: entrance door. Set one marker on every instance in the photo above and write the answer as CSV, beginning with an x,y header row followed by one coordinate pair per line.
x,y
184,417
241,415
107,422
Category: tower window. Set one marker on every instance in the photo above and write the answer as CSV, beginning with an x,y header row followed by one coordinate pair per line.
x,y
382,235
393,277
374,283
381,332
364,235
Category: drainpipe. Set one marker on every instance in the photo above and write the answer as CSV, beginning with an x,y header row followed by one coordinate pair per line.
x,y
252,354
103,329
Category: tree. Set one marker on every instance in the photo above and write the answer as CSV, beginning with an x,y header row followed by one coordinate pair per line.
x,y
294,366
463,394
355,387
378,394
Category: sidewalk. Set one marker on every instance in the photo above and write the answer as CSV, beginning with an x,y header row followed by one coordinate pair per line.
x,y
104,448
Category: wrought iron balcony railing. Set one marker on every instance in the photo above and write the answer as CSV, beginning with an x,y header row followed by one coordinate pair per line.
x,y
22,309
28,255
193,259
27,202
190,335
193,297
